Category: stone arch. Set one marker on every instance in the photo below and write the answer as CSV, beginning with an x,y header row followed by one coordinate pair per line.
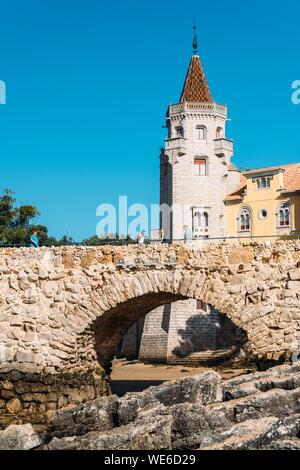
x,y
129,297
57,305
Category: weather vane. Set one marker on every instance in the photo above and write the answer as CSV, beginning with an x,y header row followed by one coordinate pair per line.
x,y
195,46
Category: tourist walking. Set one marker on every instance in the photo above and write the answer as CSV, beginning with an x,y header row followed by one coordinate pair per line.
x,y
141,238
187,237
34,241
161,235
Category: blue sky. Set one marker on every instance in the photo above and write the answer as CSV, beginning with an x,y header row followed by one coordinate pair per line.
x,y
88,85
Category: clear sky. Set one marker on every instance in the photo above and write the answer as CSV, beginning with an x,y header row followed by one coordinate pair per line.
x,y
89,82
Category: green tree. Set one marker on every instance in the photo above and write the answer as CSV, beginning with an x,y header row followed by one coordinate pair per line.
x,y
16,222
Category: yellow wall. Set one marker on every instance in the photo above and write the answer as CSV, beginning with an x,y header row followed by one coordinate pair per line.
x,y
256,199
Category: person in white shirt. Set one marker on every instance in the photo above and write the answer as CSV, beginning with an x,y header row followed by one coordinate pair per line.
x,y
141,238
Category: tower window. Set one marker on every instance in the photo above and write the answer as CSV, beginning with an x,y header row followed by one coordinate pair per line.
x,y
219,133
179,131
200,167
200,132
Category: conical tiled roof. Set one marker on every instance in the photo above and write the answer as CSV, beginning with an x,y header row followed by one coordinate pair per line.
x,y
195,86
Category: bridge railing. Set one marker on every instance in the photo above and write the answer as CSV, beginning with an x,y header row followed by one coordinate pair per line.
x,y
204,239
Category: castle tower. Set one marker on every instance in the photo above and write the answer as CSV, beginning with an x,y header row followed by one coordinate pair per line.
x,y
195,169
196,175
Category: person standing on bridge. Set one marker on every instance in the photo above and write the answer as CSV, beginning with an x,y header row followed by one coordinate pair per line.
x,y
161,235
187,234
34,241
141,238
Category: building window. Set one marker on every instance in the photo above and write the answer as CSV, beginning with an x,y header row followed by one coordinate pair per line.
x,y
179,131
200,222
197,219
263,183
262,214
284,215
200,132
219,133
200,167
244,220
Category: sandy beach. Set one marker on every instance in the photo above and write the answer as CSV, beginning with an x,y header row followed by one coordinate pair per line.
x,y
135,376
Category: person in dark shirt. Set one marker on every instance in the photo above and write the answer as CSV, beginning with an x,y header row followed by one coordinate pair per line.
x,y
34,241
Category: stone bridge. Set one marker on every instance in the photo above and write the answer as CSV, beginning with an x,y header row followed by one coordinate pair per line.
x,y
63,311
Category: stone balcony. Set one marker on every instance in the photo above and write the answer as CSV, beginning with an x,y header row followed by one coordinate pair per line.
x,y
176,143
200,231
196,107
222,146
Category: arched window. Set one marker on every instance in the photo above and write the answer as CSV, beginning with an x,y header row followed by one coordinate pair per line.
x,y
200,222
244,220
284,215
200,132
179,131
197,219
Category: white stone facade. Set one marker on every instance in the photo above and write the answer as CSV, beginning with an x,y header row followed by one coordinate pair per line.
x,y
196,131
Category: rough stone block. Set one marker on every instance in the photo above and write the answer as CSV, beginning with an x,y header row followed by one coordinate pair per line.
x,y
19,437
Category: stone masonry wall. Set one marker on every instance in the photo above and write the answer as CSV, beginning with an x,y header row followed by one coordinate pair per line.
x,y
63,311
180,333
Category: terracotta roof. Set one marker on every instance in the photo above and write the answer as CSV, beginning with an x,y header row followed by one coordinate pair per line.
x,y
238,193
291,179
195,86
291,175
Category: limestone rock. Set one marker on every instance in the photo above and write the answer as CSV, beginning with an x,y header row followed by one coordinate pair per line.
x,y
254,434
152,435
202,388
19,437
241,255
14,405
95,415
132,404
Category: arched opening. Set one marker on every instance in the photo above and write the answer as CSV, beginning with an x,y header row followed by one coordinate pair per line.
x,y
110,328
164,328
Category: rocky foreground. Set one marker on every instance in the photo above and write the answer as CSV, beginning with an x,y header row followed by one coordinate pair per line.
x,y
259,410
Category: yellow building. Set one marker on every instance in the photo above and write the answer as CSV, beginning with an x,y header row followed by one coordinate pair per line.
x,y
266,203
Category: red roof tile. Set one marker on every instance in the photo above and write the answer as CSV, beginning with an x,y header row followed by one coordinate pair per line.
x,y
291,179
195,86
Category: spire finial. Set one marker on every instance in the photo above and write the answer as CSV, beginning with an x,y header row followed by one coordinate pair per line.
x,y
195,45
